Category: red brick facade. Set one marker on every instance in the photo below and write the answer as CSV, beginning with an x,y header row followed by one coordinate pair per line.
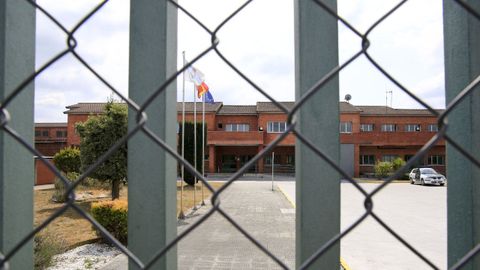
x,y
237,133
50,137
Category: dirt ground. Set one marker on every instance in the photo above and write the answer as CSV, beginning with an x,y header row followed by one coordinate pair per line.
x,y
75,230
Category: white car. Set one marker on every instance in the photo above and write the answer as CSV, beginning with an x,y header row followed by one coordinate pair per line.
x,y
426,176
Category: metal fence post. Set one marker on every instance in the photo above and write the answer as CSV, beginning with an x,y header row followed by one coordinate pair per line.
x,y
151,171
318,185
462,65
17,62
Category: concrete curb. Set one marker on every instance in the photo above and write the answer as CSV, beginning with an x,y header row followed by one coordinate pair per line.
x,y
289,199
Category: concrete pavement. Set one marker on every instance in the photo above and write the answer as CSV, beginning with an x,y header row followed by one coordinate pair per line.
x,y
216,244
416,213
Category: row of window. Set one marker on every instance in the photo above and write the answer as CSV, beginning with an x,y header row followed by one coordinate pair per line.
x,y
371,160
46,133
346,127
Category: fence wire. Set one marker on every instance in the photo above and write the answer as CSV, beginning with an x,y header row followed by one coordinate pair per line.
x,y
141,127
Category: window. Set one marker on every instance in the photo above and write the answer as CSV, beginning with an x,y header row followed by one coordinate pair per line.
x,y
389,128
345,127
268,160
37,133
367,160
412,128
290,159
432,128
389,158
366,127
408,157
276,127
44,133
436,160
61,133
237,127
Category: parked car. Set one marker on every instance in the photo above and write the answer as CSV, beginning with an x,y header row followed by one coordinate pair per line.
x,y
426,176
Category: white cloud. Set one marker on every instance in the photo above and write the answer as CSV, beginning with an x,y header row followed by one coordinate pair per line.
x,y
259,41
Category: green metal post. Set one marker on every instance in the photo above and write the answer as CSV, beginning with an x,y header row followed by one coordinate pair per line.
x,y
318,184
462,65
17,62
151,171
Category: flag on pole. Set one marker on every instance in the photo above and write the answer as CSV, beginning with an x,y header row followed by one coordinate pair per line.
x,y
197,77
208,98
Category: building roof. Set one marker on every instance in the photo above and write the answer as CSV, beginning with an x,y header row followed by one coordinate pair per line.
x,y
51,124
238,109
385,110
260,107
85,108
208,107
270,107
95,108
347,107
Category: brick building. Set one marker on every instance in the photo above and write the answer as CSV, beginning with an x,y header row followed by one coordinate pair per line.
x,y
49,139
236,133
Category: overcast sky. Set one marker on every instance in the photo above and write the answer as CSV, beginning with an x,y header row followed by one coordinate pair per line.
x,y
259,41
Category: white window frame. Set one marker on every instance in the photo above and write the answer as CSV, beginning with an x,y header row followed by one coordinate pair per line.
x,y
345,127
276,127
390,158
366,127
362,160
413,128
389,128
432,128
237,127
434,160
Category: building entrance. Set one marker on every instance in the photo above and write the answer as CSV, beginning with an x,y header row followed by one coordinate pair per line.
x,y
233,163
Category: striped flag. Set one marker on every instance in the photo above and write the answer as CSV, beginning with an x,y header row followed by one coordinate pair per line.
x,y
209,98
197,77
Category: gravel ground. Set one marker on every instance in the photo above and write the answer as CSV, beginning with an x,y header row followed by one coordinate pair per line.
x,y
91,256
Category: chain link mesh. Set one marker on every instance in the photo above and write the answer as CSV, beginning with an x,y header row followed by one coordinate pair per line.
x,y
140,127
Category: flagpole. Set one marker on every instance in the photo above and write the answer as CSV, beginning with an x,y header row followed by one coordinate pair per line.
x,y
194,147
203,144
181,215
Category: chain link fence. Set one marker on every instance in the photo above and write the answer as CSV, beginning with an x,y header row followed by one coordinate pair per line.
x,y
139,110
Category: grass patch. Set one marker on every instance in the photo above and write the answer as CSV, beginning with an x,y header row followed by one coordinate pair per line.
x,y
75,230
46,245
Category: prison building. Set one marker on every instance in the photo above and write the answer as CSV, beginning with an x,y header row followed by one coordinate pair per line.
x,y
49,139
236,133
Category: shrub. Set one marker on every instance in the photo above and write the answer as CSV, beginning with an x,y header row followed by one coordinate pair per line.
x,y
60,189
398,163
45,246
382,169
68,160
113,216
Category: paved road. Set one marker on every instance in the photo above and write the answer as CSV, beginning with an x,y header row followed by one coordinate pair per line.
x,y
417,213
216,244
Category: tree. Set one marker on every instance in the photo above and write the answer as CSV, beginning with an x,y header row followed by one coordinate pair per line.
x,y
68,160
189,148
97,135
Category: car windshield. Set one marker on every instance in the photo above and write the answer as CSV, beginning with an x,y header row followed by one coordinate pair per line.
x,y
428,171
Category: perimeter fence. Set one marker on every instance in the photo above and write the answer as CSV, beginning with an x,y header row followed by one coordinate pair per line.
x,y
153,52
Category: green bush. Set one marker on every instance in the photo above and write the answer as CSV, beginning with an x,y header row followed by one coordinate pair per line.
x,y
59,195
45,246
68,160
383,169
398,163
113,216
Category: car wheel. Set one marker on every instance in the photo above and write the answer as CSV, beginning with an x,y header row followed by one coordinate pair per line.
x,y
412,181
443,184
423,183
